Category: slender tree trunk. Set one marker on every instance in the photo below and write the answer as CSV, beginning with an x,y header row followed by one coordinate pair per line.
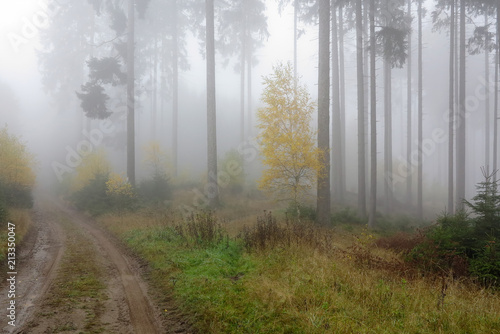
x,y
249,87
323,199
336,161
373,120
154,93
295,37
361,112
420,115
487,105
342,95
366,86
242,82
388,136
451,103
461,115
175,90
495,112
130,96
213,192
409,166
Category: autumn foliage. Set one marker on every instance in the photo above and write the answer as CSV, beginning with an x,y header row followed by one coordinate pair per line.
x,y
287,141
17,177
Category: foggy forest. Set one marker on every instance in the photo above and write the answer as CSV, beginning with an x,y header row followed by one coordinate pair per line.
x,y
250,166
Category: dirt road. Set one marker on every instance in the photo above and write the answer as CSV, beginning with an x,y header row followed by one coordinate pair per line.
x,y
75,278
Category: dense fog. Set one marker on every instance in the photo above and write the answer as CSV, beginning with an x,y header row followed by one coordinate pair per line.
x,y
47,47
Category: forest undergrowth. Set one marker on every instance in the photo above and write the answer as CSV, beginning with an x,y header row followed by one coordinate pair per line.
x,y
278,275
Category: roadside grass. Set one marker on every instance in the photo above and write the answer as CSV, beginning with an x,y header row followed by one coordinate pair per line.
x,y
78,287
299,279
22,220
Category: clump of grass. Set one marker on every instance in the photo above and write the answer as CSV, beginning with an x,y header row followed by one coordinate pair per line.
x,y
201,229
267,234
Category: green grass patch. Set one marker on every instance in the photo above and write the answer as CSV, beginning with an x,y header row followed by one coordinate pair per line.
x,y
306,282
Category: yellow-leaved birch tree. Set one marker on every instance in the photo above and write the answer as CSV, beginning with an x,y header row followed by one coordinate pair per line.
x,y
286,138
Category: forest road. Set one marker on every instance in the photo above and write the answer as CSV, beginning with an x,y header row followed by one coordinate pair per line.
x,y
74,277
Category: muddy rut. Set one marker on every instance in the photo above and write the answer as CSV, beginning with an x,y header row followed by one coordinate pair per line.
x,y
123,306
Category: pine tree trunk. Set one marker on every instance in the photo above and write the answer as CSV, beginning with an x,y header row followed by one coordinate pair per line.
x,y
451,103
175,91
361,112
213,193
295,37
461,115
342,95
487,106
323,191
366,86
420,115
242,83
154,89
388,130
373,120
249,88
388,136
409,167
130,96
495,112
336,161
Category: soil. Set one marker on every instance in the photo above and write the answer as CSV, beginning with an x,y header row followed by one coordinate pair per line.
x,y
126,304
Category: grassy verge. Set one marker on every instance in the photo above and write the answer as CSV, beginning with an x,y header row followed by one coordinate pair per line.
x,y
77,288
300,280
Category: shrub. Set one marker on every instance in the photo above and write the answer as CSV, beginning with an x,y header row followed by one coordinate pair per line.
x,y
155,190
3,209
233,166
306,212
120,192
92,197
444,246
17,196
346,216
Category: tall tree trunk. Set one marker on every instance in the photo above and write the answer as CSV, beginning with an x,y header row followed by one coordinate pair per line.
x,y
213,192
342,95
130,96
323,191
242,82
175,90
409,167
388,176
461,115
420,115
154,90
249,87
451,103
495,112
366,86
295,37
361,112
388,136
487,106
336,161
373,120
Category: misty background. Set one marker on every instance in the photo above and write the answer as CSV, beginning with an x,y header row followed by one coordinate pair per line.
x,y
50,118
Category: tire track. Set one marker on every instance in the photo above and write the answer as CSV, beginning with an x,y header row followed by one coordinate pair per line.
x,y
38,261
141,312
